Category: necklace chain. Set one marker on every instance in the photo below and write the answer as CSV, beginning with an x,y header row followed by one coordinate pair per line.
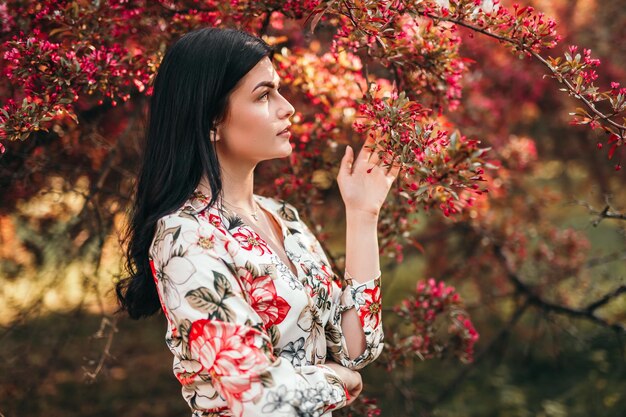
x,y
254,214
269,235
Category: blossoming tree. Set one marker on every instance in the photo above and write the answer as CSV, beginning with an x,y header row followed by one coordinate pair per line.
x,y
77,75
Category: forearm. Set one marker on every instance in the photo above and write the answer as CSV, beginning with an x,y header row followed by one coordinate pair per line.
x,y
362,258
362,264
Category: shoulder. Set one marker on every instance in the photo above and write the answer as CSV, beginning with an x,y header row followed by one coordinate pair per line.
x,y
189,227
195,212
188,217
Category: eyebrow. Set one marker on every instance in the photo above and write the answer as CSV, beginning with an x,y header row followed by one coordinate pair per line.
x,y
265,84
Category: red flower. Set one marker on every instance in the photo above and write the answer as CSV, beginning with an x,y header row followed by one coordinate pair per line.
x,y
269,306
250,240
215,220
230,353
371,310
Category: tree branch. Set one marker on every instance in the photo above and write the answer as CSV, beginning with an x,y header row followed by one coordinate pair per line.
x,y
524,48
588,312
606,213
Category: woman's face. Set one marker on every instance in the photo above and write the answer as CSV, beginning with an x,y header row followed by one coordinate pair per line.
x,y
256,114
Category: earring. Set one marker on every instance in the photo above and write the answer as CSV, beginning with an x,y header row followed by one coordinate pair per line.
x,y
213,136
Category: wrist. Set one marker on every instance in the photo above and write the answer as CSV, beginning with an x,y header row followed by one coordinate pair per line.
x,y
362,215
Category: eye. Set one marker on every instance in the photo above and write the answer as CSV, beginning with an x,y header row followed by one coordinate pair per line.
x,y
266,94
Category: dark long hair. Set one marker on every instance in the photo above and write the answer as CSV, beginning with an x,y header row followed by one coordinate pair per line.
x,y
190,96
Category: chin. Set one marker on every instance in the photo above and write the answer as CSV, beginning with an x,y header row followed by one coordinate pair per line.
x,y
280,155
288,150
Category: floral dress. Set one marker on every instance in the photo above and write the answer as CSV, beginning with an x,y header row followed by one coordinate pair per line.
x,y
249,337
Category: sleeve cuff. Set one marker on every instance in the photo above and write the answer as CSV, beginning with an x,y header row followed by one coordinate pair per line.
x,y
349,293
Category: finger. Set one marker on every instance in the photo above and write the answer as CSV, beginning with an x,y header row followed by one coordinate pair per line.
x,y
347,161
367,150
395,171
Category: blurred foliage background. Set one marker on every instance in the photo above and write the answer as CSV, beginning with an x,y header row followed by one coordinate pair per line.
x,y
63,351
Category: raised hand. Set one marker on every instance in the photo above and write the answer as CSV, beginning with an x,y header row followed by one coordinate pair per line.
x,y
364,181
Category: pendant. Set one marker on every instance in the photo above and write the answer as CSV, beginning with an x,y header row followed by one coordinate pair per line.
x,y
256,219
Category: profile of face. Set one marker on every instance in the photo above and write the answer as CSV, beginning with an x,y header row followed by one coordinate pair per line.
x,y
257,113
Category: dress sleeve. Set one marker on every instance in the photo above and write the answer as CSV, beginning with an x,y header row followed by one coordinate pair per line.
x,y
210,319
365,298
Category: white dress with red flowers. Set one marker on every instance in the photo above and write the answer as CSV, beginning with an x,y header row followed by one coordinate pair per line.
x,y
249,337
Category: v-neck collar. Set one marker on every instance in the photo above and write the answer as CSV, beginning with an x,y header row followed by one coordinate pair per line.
x,y
199,200
261,201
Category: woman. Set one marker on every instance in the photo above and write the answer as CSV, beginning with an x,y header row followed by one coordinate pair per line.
x,y
257,322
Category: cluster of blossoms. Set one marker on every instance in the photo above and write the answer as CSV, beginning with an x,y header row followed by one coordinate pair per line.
x,y
416,41
530,32
6,20
53,69
524,28
423,54
577,72
245,14
432,300
436,164
295,8
519,154
183,22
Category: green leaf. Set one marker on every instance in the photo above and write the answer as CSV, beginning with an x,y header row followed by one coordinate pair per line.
x,y
454,138
187,215
222,286
287,213
250,267
224,313
421,190
274,333
184,327
267,380
203,299
333,335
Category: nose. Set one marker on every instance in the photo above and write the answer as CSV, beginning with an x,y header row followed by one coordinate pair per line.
x,y
286,110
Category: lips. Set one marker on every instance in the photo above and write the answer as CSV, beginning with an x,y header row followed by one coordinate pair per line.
x,y
284,130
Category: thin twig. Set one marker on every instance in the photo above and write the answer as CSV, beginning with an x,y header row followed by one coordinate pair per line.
x,y
617,256
104,324
605,213
535,55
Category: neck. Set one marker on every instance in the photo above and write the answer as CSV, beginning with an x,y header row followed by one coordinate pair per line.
x,y
237,182
238,189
